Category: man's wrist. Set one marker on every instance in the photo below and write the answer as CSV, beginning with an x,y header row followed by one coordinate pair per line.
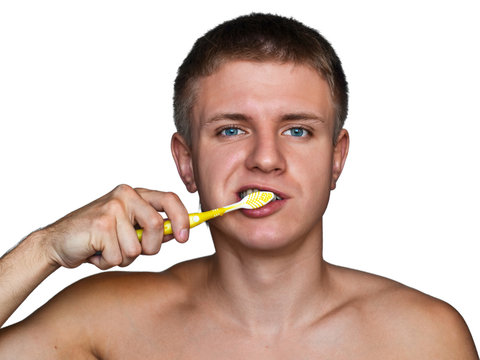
x,y
41,251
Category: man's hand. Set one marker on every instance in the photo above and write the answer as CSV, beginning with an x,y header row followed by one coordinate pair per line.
x,y
102,233
106,226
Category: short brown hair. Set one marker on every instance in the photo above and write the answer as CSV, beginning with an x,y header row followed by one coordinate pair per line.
x,y
258,37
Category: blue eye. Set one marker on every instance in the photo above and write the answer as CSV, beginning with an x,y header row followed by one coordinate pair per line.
x,y
297,132
231,131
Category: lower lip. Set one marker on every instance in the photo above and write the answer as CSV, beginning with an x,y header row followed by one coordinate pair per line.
x,y
266,210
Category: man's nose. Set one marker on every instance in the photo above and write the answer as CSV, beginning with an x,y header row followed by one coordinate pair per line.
x,y
266,154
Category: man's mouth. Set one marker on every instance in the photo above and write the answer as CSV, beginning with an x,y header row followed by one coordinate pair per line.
x,y
246,192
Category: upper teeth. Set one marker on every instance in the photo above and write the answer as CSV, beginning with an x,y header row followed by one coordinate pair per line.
x,y
249,191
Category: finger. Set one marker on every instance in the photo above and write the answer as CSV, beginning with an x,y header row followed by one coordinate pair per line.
x,y
127,239
150,221
137,210
152,237
108,252
171,204
168,237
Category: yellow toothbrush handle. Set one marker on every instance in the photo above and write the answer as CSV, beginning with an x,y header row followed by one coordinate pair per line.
x,y
195,219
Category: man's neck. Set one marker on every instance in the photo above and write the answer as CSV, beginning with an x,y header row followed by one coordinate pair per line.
x,y
268,294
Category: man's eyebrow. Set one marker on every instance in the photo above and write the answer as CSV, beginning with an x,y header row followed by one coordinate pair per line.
x,y
227,116
302,116
244,118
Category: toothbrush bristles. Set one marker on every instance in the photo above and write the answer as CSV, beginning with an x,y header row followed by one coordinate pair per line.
x,y
259,198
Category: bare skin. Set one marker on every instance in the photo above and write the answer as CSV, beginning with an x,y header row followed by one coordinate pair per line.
x,y
267,293
175,315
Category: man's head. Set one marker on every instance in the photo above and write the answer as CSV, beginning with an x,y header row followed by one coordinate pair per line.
x,y
258,38
257,103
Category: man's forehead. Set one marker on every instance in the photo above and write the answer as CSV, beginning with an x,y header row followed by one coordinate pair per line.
x,y
236,81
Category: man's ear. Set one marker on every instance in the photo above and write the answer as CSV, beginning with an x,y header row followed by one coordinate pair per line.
x,y
183,159
340,153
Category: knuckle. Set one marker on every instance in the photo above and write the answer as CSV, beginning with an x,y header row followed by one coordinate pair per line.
x,y
122,190
171,197
125,263
114,206
132,251
150,251
103,266
110,262
156,222
104,223
115,259
152,247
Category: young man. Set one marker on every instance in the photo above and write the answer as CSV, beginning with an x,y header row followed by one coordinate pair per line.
x,y
259,104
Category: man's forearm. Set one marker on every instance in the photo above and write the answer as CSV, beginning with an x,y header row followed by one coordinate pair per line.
x,y
21,271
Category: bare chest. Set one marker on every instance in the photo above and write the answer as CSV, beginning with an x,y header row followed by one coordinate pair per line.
x,y
207,340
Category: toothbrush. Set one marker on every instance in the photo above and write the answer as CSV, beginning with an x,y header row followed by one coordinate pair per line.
x,y
254,200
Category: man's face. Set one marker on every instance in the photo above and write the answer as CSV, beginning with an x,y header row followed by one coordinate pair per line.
x,y
266,126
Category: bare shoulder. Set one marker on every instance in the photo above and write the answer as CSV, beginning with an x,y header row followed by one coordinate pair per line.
x,y
112,306
407,320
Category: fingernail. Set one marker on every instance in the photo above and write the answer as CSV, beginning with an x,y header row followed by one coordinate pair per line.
x,y
183,235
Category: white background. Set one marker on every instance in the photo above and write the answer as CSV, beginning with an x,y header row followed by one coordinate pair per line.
x,y
85,104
